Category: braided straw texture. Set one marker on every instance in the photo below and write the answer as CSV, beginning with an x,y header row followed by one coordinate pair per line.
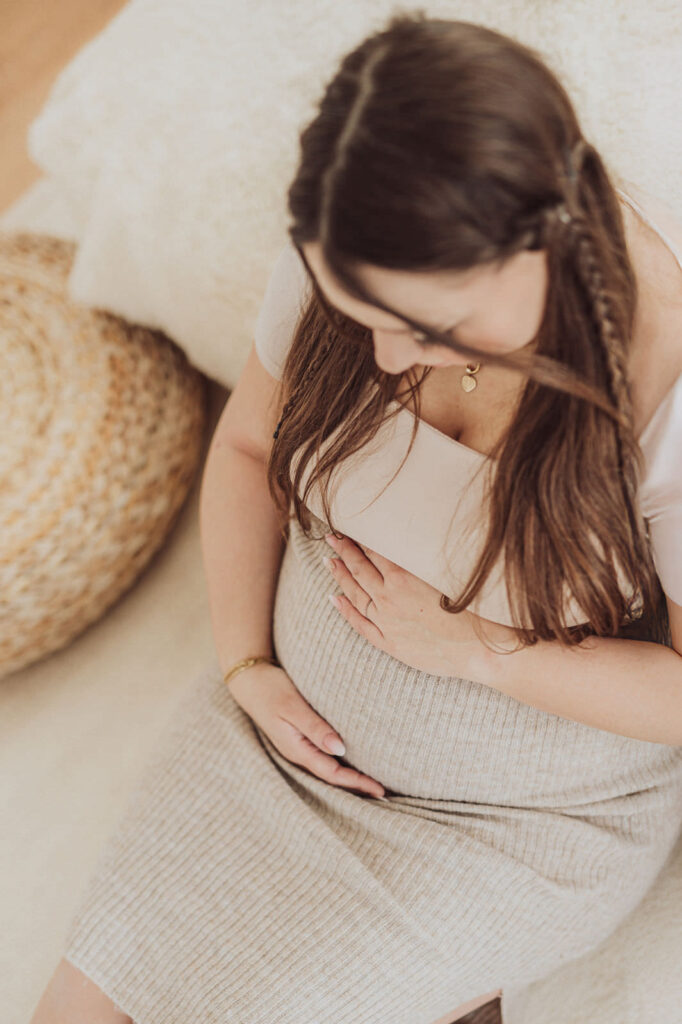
x,y
101,437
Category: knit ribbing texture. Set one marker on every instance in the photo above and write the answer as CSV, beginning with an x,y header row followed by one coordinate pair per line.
x,y
237,888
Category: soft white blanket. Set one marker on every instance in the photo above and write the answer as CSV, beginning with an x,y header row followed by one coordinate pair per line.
x,y
173,135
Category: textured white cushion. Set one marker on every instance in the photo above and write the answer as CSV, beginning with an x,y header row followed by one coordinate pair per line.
x,y
172,138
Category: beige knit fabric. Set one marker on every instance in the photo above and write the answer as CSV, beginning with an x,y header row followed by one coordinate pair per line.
x,y
240,889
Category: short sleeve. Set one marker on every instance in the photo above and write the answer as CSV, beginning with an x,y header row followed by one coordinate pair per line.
x,y
286,294
661,490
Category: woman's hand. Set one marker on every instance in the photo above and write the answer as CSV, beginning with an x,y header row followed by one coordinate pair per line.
x,y
399,613
268,696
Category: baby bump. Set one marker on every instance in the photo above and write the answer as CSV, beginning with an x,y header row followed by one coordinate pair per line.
x,y
442,737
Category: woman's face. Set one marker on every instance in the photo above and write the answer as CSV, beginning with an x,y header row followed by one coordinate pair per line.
x,y
498,310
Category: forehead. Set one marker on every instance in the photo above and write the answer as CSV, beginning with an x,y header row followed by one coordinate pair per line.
x,y
425,296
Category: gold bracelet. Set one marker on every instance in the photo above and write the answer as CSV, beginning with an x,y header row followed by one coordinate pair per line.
x,y
247,663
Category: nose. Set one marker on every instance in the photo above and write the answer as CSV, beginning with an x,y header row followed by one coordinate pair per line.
x,y
395,353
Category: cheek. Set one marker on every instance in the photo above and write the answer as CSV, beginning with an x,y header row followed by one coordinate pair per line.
x,y
452,359
499,334
446,357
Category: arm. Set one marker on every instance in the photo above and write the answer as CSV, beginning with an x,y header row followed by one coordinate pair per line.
x,y
241,542
630,687
242,550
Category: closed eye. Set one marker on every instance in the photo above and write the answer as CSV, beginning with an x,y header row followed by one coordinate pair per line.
x,y
428,342
354,328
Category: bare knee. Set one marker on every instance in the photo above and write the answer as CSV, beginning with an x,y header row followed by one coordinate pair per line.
x,y
474,1004
71,996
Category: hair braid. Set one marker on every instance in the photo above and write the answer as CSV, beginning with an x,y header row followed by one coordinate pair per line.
x,y
576,225
593,280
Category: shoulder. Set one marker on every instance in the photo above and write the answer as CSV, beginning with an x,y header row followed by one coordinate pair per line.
x,y
656,353
286,294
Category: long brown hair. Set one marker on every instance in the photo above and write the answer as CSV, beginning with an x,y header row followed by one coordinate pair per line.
x,y
445,145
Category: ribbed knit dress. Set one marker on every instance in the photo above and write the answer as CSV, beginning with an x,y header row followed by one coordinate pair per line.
x,y
238,888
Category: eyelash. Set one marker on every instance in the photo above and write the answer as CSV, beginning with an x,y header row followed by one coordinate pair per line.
x,y
338,320
428,343
341,320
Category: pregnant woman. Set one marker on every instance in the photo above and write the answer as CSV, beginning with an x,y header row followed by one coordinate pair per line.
x,y
466,388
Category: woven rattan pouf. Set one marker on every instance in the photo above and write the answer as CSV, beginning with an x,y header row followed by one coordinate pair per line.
x,y
102,431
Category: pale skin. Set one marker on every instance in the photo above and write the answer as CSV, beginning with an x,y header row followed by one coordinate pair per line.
x,y
503,307
498,310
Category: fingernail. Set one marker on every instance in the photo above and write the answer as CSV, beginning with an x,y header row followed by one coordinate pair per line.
x,y
335,745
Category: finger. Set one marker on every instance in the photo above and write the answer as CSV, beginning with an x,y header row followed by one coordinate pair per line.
x,y
312,725
349,585
342,775
330,770
357,561
384,565
365,627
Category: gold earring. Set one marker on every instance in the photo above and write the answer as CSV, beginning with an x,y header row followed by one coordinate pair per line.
x,y
468,381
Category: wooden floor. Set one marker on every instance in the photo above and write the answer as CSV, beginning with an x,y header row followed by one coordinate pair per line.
x,y
37,38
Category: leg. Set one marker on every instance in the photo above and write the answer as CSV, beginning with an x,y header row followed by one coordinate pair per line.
x,y
71,996
466,1008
